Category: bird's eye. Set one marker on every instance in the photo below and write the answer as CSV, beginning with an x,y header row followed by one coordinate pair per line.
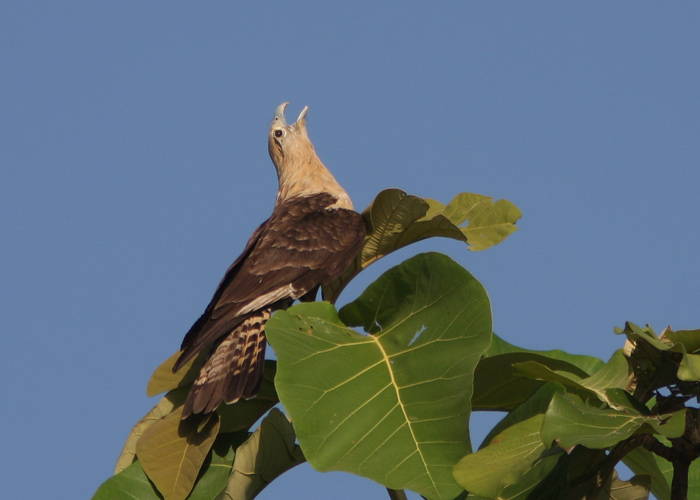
x,y
279,133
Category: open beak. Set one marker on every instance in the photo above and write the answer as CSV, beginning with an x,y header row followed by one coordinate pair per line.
x,y
301,120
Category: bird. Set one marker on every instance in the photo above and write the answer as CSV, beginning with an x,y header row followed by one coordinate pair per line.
x,y
312,236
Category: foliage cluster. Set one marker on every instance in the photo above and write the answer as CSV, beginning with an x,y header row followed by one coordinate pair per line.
x,y
393,403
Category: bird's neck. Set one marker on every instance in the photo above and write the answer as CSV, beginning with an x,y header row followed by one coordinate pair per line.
x,y
307,179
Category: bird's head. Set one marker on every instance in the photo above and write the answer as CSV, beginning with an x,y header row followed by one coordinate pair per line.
x,y
299,169
289,144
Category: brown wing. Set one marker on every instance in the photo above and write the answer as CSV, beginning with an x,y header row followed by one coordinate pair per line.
x,y
233,370
302,245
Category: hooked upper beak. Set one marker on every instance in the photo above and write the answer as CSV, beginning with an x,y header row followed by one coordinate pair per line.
x,y
279,115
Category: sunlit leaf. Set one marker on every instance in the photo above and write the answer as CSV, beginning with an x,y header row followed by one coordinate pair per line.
x,y
164,406
504,461
163,378
133,483
522,490
689,339
613,375
392,406
266,454
396,219
172,452
689,369
636,333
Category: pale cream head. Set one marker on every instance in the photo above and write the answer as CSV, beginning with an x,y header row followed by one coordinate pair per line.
x,y
299,169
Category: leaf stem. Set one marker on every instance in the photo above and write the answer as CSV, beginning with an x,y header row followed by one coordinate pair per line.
x,y
397,494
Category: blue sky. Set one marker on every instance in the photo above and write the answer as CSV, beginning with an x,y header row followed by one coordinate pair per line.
x,y
134,166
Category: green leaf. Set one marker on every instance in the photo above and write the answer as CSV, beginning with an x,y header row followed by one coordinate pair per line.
x,y
612,488
497,386
612,375
163,378
392,406
689,369
133,482
129,484
636,333
522,490
172,452
396,219
266,454
534,405
164,407
637,488
570,422
642,461
586,364
503,462
689,339
217,468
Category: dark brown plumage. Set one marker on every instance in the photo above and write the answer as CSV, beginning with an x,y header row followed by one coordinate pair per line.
x,y
311,237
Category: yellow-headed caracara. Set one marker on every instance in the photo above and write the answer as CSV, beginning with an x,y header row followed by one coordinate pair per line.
x,y
311,237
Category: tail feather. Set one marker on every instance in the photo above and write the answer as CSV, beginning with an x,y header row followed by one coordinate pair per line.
x,y
234,369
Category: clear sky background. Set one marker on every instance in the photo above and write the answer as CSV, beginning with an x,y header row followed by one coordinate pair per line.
x,y
134,167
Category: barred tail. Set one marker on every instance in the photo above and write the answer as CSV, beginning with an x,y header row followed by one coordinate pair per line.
x,y
234,370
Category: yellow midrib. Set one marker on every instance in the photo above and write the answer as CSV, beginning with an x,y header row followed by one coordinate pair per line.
x,y
403,408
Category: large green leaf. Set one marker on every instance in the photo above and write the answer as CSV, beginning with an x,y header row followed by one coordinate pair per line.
x,y
570,421
396,219
266,454
392,406
173,450
503,462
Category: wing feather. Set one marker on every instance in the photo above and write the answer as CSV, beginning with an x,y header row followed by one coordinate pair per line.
x,y
303,244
